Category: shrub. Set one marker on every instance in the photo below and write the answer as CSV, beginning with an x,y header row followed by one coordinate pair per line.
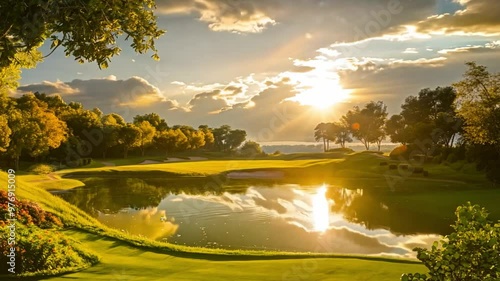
x,y
383,164
452,158
277,153
398,152
42,169
404,166
418,170
393,167
44,252
471,252
437,159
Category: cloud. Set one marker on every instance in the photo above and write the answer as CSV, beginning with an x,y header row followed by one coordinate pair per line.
x,y
476,17
222,15
351,21
410,51
109,94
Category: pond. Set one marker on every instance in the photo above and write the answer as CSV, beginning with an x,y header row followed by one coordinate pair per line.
x,y
258,215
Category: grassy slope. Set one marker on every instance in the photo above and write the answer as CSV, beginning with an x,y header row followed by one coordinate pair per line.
x,y
122,262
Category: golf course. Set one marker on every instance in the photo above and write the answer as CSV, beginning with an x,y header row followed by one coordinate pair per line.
x,y
122,255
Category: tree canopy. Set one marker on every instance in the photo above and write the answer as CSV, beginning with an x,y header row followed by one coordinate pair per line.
x,y
87,30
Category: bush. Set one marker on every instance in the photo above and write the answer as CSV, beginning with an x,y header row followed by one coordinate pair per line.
x,y
437,159
452,158
470,253
384,163
393,167
398,152
403,166
44,252
418,170
42,169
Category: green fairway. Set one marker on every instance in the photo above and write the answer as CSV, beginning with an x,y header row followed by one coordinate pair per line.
x,y
122,262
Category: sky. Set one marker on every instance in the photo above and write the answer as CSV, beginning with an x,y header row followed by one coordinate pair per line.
x,y
276,68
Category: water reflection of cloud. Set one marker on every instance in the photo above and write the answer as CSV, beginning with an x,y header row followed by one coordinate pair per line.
x,y
146,222
272,218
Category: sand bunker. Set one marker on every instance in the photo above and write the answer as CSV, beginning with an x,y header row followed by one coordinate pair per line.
x,y
145,162
171,159
256,175
197,158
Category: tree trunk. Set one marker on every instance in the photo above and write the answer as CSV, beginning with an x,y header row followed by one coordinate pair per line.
x,y
16,162
142,150
125,152
324,144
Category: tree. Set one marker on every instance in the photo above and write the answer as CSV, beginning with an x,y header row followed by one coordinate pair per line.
x,y
470,252
5,136
478,103
208,135
339,133
220,137
11,74
129,136
235,138
147,134
110,130
171,140
321,133
154,119
367,124
251,148
34,128
87,30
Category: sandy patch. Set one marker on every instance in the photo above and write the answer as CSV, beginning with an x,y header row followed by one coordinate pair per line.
x,y
145,162
256,175
171,159
197,158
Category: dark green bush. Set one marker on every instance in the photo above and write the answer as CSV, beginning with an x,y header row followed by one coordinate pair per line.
x,y
398,152
418,170
470,253
404,166
384,163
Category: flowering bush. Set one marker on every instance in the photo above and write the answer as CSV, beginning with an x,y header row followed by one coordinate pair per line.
x,y
27,213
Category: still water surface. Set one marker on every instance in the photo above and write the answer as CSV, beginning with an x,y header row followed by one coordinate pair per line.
x,y
250,215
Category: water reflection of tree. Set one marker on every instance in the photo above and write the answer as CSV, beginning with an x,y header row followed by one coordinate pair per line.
x,y
377,209
110,195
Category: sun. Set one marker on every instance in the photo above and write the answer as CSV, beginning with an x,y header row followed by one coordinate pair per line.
x,y
320,92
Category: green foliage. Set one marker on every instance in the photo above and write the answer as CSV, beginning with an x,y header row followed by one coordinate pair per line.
x,y
251,148
87,30
471,252
478,97
42,169
44,252
5,136
367,124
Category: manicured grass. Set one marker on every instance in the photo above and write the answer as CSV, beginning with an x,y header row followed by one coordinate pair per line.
x,y
122,262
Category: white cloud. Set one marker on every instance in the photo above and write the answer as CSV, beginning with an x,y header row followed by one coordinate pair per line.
x,y
410,51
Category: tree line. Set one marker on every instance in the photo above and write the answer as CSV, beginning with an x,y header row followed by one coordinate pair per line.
x,y
47,128
458,122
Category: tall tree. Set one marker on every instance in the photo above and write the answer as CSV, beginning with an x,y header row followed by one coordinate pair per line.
x,y
129,136
208,135
367,124
87,30
147,134
110,130
339,133
154,119
5,135
34,128
235,138
478,103
321,133
220,137
171,140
